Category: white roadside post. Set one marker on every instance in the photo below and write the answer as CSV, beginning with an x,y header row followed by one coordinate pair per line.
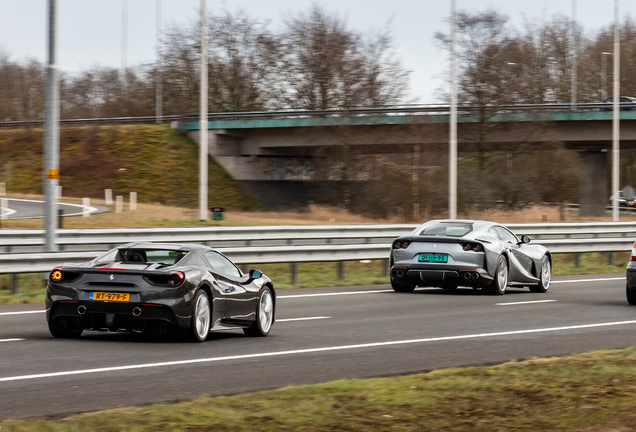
x,y
109,196
3,188
86,202
133,201
4,208
119,204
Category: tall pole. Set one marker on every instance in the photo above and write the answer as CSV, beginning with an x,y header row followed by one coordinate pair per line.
x,y
124,43
159,77
203,121
574,55
616,115
51,140
452,181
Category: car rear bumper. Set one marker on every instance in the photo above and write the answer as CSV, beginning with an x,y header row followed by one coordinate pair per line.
x,y
631,275
452,276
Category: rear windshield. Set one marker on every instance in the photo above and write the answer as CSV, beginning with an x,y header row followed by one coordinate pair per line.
x,y
151,256
451,229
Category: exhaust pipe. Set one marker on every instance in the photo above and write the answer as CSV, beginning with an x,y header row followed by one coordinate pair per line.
x,y
81,309
399,273
475,275
136,311
466,276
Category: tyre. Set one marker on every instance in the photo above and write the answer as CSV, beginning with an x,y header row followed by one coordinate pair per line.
x,y
201,317
544,276
59,328
631,296
500,283
404,287
264,315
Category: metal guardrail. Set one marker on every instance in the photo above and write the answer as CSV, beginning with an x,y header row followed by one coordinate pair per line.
x,y
290,113
371,242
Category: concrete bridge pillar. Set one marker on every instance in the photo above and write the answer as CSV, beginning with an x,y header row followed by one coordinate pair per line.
x,y
593,184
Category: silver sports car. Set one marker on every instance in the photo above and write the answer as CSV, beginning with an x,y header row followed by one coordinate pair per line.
x,y
476,254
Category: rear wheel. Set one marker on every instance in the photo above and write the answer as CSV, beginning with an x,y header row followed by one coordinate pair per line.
x,y
631,296
201,317
500,283
264,315
404,287
544,277
59,328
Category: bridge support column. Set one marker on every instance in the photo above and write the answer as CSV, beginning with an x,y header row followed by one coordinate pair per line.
x,y
593,186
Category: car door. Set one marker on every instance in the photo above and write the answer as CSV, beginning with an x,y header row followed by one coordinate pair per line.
x,y
240,303
520,262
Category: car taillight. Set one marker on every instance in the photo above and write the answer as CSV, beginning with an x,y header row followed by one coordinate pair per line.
x,y
56,275
176,279
476,247
633,258
401,244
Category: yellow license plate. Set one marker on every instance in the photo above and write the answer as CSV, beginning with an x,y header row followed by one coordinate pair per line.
x,y
107,296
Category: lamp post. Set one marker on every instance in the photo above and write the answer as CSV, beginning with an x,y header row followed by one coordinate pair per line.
x,y
604,74
616,115
574,56
452,181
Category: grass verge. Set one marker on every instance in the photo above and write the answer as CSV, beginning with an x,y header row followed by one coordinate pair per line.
x,y
316,275
584,392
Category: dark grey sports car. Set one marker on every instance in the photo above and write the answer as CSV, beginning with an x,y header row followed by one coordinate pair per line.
x,y
153,287
477,254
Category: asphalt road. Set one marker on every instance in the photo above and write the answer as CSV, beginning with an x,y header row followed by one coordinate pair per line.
x,y
31,209
321,335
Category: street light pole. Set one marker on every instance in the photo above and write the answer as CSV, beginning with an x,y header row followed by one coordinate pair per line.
x,y
616,115
51,140
203,120
452,181
159,65
574,56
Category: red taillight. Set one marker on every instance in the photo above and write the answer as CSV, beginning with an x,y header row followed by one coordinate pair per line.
x,y
477,247
176,279
401,244
633,258
467,246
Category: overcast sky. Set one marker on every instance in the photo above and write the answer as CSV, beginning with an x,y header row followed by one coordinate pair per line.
x,y
89,31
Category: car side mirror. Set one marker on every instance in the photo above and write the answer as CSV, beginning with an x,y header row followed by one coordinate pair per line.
x,y
525,239
255,274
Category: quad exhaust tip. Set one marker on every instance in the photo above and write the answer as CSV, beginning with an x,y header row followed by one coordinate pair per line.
x,y
397,273
81,309
136,311
471,275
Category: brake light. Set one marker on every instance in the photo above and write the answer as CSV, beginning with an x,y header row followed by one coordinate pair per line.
x,y
401,244
633,258
176,279
475,247
56,275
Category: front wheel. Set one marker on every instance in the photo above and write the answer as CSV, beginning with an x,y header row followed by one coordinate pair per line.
x,y
631,296
544,277
201,317
264,315
500,283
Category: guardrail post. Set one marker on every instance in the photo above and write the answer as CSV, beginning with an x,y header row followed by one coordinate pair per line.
x,y
610,258
577,260
385,267
292,271
340,270
14,283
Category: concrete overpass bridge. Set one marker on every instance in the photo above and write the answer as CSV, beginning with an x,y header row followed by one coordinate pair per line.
x,y
274,154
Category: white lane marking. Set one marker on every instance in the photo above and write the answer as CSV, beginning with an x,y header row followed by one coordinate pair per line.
x,y
302,319
11,340
524,302
21,312
588,280
307,351
333,294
